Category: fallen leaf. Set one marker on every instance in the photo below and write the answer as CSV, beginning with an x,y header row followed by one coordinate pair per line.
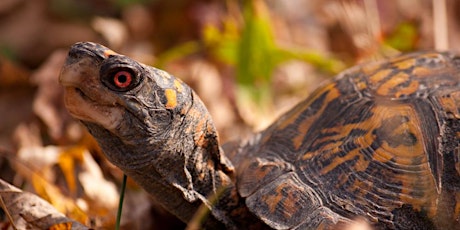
x,y
28,211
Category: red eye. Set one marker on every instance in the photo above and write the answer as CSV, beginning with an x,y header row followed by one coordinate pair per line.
x,y
122,79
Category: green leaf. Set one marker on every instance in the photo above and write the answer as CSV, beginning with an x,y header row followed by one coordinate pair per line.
x,y
223,45
255,53
404,37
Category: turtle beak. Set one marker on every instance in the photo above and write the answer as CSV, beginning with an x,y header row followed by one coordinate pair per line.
x,y
85,96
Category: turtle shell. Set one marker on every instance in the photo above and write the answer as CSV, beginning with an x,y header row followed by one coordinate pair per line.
x,y
379,142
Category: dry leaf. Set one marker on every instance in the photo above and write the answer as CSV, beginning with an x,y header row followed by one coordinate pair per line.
x,y
28,211
76,187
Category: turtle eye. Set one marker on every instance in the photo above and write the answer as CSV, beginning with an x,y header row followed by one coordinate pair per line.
x,y
120,74
122,79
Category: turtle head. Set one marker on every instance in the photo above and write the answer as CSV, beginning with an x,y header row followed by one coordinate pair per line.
x,y
151,125
127,105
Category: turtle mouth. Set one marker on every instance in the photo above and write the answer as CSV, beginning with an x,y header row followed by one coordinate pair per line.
x,y
82,94
87,109
74,91
85,97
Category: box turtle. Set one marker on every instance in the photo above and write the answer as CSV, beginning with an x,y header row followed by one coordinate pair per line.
x,y
380,143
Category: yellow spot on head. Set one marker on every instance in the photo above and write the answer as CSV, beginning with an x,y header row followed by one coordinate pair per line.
x,y
171,98
108,53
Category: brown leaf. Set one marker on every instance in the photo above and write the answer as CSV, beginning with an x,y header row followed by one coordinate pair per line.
x,y
28,211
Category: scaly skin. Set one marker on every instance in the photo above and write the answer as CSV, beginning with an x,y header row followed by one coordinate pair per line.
x,y
158,132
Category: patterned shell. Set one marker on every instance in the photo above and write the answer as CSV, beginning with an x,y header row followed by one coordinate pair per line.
x,y
380,142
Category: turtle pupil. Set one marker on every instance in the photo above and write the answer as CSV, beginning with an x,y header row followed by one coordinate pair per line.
x,y
122,78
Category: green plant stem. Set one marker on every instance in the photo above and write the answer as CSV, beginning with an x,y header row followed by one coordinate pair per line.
x,y
120,202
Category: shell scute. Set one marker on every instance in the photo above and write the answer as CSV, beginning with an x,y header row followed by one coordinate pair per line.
x,y
381,141
278,204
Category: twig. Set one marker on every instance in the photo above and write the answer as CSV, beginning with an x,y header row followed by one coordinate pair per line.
x,y
5,209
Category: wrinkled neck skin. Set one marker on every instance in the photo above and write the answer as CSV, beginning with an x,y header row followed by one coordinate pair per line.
x,y
182,166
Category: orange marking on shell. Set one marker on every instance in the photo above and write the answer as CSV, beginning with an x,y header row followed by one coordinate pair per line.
x,y
272,200
379,76
362,164
361,187
291,119
279,203
451,104
340,160
411,88
305,125
405,64
328,149
290,202
108,53
341,180
171,98
298,140
361,85
386,87
421,71
308,155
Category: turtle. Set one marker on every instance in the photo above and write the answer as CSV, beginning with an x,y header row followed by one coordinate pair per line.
x,y
379,142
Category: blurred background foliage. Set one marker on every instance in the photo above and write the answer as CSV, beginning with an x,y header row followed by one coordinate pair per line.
x,y
249,61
